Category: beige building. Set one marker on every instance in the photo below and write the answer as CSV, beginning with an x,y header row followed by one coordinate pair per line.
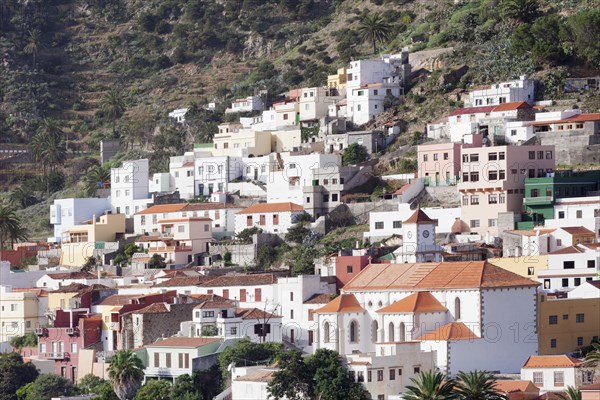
x,y
527,267
493,183
338,80
21,311
232,140
80,241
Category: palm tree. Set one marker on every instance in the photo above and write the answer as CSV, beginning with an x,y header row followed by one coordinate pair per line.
x,y
477,385
572,393
22,197
429,385
593,357
10,226
48,145
113,105
99,174
374,29
520,10
125,372
34,44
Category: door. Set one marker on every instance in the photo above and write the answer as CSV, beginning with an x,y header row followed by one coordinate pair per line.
x,y
437,179
255,174
211,187
226,293
262,220
242,294
292,336
310,338
200,189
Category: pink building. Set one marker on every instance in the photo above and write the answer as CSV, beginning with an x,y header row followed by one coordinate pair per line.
x,y
493,182
73,331
439,164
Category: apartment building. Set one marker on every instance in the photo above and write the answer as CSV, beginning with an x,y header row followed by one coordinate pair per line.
x,y
21,312
439,164
246,104
522,89
270,217
566,323
129,187
493,183
65,213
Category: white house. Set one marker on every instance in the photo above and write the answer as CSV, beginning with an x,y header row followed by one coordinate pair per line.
x,y
570,267
54,281
249,383
270,217
179,114
224,319
551,373
522,89
160,183
298,297
439,305
367,101
181,170
577,211
129,187
65,213
315,101
247,104
518,131
384,224
418,240
212,174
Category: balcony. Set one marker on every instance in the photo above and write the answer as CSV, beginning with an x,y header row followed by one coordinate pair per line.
x,y
41,331
72,331
541,200
61,355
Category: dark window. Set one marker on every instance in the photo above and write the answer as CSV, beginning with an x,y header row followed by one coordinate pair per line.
x,y
577,281
416,370
349,269
565,282
532,155
379,375
591,263
579,340
580,318
392,374
262,329
369,376
474,176
565,316
465,177
553,319
568,264
552,343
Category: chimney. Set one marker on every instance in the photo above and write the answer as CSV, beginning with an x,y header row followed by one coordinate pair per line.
x,y
94,219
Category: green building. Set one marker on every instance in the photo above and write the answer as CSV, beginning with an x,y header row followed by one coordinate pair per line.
x,y
541,194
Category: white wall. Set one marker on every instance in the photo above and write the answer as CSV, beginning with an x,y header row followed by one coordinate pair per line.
x,y
129,183
548,378
65,213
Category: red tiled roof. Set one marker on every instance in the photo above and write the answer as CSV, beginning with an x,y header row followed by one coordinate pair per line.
x,y
184,342
427,276
154,308
513,105
472,110
208,206
417,302
418,217
254,313
271,207
241,280
37,291
451,331
186,219
559,361
567,250
186,281
162,208
506,386
342,304
72,275
216,303
319,298
578,230
574,118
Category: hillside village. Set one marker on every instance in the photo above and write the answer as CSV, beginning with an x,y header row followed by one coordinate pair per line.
x,y
169,264
314,227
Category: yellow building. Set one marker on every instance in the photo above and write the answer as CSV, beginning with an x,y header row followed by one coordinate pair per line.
x,y
21,311
338,81
567,324
526,266
79,242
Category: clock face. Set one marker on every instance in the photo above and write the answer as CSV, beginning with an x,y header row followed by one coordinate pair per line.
x,y
426,234
409,234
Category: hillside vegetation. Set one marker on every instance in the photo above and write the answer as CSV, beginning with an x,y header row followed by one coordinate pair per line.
x,y
75,72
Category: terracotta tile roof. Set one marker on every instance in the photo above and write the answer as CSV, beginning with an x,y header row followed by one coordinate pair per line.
x,y
451,331
149,238
154,308
531,232
427,276
188,164
511,106
559,361
72,275
208,206
207,297
418,216
592,387
595,284
119,299
592,246
341,304
506,386
241,280
261,375
216,303
271,207
71,288
162,208
578,230
171,273
417,302
472,110
460,226
567,250
254,313
319,298
186,219
199,280
38,292
184,342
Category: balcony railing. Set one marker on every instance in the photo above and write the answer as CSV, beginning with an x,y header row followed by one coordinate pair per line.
x,y
538,200
61,355
41,331
72,331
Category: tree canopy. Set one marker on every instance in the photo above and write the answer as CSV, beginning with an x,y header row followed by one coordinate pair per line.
x,y
14,374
